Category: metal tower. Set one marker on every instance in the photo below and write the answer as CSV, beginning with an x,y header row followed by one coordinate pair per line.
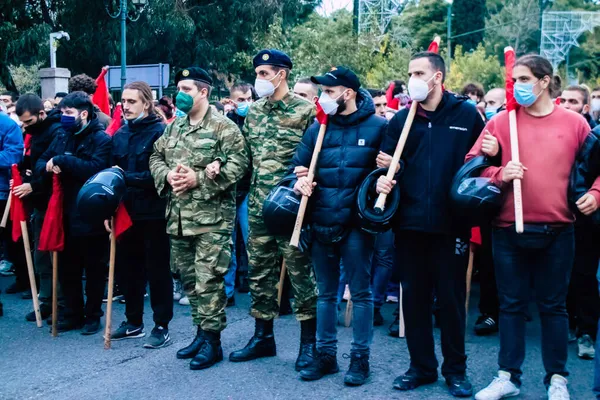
x,y
375,15
560,31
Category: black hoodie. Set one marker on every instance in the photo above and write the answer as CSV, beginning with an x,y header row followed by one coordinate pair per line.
x,y
350,147
435,150
132,146
79,157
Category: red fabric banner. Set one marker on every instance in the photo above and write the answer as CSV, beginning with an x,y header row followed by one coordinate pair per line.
x,y
100,97
509,62
17,211
122,221
52,236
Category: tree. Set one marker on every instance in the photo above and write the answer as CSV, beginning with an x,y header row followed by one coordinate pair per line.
x,y
474,66
425,19
468,16
516,25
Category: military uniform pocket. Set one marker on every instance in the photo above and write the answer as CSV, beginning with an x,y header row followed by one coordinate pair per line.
x,y
204,152
205,212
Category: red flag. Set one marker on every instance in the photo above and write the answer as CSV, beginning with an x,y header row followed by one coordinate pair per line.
x,y
117,121
27,144
100,97
122,221
321,116
434,47
476,236
17,211
392,102
52,236
509,62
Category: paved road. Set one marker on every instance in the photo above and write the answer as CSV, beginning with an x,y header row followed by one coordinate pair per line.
x,y
34,365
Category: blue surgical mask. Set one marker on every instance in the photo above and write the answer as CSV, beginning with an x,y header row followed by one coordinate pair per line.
x,y
524,93
68,121
136,120
242,108
490,112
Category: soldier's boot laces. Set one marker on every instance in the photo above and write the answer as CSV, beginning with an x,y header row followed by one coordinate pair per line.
x,y
194,347
308,341
262,344
210,353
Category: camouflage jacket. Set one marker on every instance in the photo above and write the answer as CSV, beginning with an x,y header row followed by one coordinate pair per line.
x,y
273,131
211,205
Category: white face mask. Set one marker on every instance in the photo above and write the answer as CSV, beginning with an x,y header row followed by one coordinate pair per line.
x,y
328,104
418,89
264,87
595,105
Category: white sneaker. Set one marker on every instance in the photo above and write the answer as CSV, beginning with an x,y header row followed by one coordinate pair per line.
x,y
177,290
558,388
6,268
184,301
500,388
391,299
585,348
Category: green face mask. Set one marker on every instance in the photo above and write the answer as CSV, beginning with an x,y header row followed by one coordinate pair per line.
x,y
184,101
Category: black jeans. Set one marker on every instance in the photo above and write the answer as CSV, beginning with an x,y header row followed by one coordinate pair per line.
x,y
488,300
89,253
143,255
355,251
544,256
434,261
583,303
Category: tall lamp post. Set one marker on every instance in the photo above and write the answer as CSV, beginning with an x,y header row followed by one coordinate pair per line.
x,y
449,33
123,15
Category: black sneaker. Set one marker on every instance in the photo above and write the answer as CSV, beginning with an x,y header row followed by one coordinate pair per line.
x,y
459,386
128,331
159,337
358,373
485,325
394,329
411,381
68,324
45,310
323,364
91,327
377,317
16,288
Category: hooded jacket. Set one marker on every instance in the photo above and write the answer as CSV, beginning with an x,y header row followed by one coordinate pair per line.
x,y
348,154
585,171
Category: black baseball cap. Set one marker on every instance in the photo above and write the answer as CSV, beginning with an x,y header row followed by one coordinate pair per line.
x,y
194,73
338,76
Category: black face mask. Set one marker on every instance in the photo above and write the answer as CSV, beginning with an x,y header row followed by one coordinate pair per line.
x,y
36,128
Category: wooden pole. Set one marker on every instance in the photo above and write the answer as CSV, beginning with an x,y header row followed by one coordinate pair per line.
x,y
469,276
6,211
54,293
517,192
311,176
348,314
111,280
380,204
32,284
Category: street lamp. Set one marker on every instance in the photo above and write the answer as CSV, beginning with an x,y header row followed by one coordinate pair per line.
x,y
449,32
123,14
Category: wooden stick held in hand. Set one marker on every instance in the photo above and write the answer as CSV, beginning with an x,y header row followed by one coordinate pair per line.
x,y
517,191
31,272
469,276
6,211
111,281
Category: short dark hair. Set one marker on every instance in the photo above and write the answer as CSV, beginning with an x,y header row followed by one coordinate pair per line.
x,y
203,85
83,83
242,87
541,67
575,88
29,102
13,95
436,61
165,104
376,92
398,87
60,95
596,89
473,88
287,71
79,100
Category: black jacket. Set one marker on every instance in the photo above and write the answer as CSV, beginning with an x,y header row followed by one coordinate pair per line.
x,y
243,186
583,174
350,147
434,152
132,146
42,135
79,157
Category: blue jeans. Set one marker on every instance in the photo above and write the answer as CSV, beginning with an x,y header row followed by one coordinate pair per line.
x,y
241,218
544,256
383,262
355,251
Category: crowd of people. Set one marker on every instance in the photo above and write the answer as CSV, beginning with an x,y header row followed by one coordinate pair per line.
x,y
199,171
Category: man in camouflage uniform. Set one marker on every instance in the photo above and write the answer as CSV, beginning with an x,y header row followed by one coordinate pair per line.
x,y
274,127
196,164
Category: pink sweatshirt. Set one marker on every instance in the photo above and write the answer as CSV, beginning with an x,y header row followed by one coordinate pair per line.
x,y
548,147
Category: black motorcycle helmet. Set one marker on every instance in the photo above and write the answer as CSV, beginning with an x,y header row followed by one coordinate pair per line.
x,y
100,196
280,208
369,220
474,199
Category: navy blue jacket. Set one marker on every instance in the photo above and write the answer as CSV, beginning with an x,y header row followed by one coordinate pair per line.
x,y
350,147
79,157
435,150
132,146
11,151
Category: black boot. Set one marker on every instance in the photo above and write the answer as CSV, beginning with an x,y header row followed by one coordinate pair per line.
x,y
358,373
308,343
210,353
262,344
323,364
194,347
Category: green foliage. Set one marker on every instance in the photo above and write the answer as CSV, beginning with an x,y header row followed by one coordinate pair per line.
x,y
425,19
474,66
468,16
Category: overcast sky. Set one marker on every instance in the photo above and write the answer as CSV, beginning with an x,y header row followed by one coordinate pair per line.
x,y
331,5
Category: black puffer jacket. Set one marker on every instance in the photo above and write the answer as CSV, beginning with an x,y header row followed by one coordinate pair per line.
x,y
583,174
42,135
348,155
79,157
132,146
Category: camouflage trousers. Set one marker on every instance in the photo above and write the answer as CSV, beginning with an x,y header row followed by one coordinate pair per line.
x,y
202,261
264,268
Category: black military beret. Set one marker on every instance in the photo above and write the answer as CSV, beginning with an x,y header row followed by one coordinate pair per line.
x,y
272,57
195,73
